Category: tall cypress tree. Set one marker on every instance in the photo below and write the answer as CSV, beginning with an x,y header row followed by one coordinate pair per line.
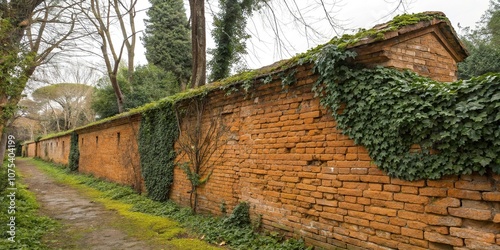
x,y
167,40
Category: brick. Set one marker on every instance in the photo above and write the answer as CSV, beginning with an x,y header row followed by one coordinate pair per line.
x,y
376,179
411,198
464,194
362,215
474,185
496,219
409,190
449,240
378,195
414,233
381,211
475,244
441,220
434,192
350,192
385,227
351,206
357,221
420,183
387,204
467,233
392,188
306,187
491,196
470,213
330,203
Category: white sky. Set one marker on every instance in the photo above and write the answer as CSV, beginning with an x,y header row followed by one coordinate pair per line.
x,y
352,14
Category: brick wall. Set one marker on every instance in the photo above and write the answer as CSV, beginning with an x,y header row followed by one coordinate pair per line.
x,y
304,178
110,151
53,149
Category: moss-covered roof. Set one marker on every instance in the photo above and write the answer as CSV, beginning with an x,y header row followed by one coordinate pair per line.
x,y
398,25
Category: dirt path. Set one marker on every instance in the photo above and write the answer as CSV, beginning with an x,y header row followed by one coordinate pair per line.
x,y
86,225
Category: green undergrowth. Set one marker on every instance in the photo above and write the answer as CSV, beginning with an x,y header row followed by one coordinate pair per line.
x,y
147,213
29,226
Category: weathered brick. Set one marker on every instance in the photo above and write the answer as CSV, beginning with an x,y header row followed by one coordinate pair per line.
x,y
449,240
411,198
378,195
467,233
414,233
385,227
441,220
491,196
464,194
435,192
381,211
474,185
470,213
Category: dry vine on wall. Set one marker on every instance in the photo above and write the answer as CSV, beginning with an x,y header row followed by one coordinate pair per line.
x,y
200,144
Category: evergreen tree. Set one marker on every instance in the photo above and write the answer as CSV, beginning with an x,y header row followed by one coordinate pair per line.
x,y
167,40
229,35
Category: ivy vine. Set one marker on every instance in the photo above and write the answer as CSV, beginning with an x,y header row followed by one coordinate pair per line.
x,y
157,135
74,152
413,127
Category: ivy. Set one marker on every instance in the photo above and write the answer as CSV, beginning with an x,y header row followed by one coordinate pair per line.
x,y
157,135
413,127
74,152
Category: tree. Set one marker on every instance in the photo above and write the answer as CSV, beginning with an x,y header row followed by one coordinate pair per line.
x,y
166,38
69,103
32,34
229,35
483,44
198,43
150,83
103,15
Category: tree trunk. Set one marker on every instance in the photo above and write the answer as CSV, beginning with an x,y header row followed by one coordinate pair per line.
x,y
198,42
118,93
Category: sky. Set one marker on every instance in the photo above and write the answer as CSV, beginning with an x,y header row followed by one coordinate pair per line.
x,y
263,48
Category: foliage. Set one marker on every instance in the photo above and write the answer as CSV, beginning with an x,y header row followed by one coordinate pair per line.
x,y
240,216
150,83
229,36
166,38
74,152
30,227
483,44
157,135
455,125
214,230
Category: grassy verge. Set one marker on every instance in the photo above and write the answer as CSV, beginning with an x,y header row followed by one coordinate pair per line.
x,y
147,213
29,226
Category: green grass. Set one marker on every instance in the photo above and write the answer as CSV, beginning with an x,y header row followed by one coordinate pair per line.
x,y
166,220
30,227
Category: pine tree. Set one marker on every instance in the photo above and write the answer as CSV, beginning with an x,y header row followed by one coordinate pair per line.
x,y
167,40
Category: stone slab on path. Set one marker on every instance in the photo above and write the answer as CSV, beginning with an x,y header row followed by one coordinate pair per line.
x,y
86,224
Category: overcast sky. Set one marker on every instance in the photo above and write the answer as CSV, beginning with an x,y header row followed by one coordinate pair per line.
x,y
264,49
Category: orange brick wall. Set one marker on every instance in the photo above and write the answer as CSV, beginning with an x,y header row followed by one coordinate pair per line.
x,y
425,56
54,149
304,178
110,151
